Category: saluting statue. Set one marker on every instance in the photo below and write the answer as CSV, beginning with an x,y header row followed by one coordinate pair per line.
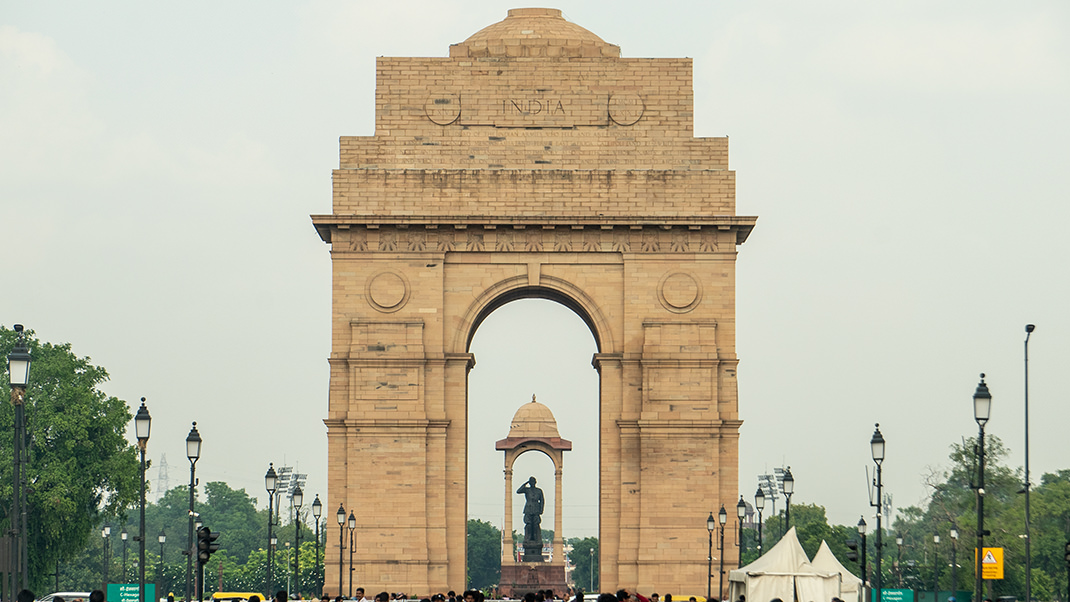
x,y
532,511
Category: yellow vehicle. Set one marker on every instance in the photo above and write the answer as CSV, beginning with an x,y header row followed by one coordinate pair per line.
x,y
235,596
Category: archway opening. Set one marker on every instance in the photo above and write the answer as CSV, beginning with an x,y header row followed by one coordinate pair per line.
x,y
524,347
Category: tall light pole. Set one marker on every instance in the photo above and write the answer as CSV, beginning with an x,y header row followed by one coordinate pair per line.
x,y
341,542
899,558
352,524
741,513
193,452
876,447
711,524
936,568
759,504
954,559
982,410
722,518
142,426
1028,557
18,368
296,500
788,484
271,483
162,538
317,511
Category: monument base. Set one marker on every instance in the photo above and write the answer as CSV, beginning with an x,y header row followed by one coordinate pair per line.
x,y
519,579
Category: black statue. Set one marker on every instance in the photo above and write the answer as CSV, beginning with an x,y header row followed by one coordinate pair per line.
x,y
532,512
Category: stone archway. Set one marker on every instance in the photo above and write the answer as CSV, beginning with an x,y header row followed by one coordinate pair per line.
x,y
534,161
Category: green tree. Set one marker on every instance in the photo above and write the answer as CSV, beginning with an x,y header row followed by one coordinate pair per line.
x,y
81,468
484,554
584,559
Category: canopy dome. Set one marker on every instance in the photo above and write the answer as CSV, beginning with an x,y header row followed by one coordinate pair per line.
x,y
533,420
534,32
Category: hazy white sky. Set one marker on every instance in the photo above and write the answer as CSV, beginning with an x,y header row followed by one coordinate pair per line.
x,y
908,161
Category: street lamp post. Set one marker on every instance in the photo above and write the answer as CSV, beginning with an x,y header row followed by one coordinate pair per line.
x,y
123,536
106,534
142,426
789,488
982,409
741,513
899,558
722,518
271,483
865,567
341,542
193,452
296,500
710,526
876,446
591,552
936,568
352,524
18,367
162,538
759,504
1028,557
317,511
954,559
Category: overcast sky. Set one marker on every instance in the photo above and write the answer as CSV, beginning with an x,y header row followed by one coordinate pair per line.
x,y
908,163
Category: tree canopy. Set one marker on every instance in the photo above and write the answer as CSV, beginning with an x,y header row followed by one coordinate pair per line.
x,y
81,469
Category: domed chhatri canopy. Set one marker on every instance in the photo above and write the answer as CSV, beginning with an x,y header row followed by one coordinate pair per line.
x,y
534,32
534,421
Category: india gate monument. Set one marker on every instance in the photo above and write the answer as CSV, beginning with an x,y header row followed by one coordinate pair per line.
x,y
534,161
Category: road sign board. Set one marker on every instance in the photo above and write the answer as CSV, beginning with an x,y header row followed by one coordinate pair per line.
x,y
992,563
128,592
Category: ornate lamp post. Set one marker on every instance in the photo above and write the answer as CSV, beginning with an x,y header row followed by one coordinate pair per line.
x,y
759,504
789,488
18,368
123,536
317,511
341,542
193,452
271,483
982,409
352,524
936,568
296,500
722,518
865,567
162,538
106,534
876,446
741,513
142,426
711,524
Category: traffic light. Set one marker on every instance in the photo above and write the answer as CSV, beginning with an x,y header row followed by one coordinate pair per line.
x,y
852,550
206,545
1067,553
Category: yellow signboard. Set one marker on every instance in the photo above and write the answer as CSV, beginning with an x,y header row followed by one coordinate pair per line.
x,y
991,563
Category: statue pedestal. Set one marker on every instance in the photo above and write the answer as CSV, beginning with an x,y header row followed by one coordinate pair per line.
x,y
519,579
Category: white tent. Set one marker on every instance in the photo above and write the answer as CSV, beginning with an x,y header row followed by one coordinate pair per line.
x,y
784,572
850,586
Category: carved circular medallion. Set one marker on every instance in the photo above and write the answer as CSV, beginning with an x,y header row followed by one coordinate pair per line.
x,y
387,291
443,109
679,292
625,109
